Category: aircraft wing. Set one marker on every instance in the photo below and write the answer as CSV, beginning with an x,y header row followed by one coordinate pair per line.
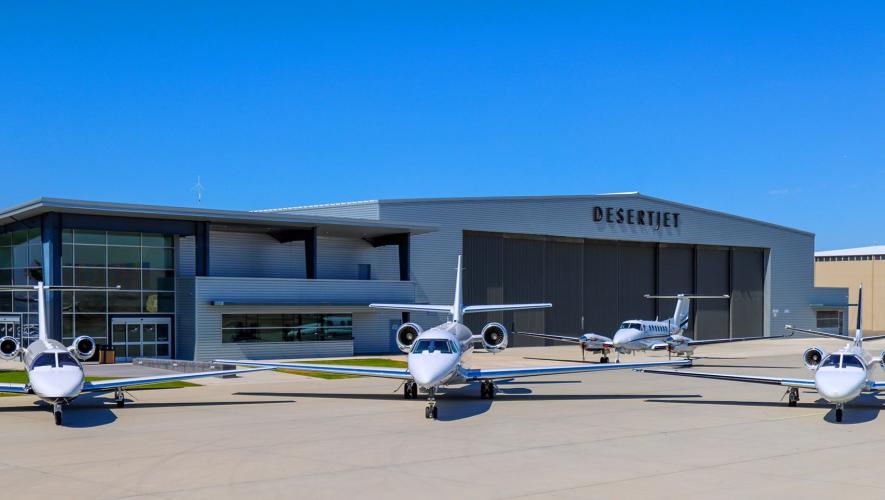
x,y
500,373
802,383
366,371
504,307
819,333
738,339
14,388
106,385
547,336
414,307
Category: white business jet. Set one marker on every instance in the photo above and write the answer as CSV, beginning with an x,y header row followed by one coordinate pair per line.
x,y
439,356
644,335
839,377
55,374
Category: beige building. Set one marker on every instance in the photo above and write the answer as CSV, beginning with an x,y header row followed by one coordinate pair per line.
x,y
849,268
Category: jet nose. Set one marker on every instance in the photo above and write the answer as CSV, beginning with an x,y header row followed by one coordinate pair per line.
x,y
430,370
840,385
56,383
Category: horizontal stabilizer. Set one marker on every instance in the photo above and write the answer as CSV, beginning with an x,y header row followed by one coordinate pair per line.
x,y
504,307
687,296
414,307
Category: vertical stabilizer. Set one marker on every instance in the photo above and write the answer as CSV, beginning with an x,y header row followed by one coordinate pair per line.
x,y
458,306
42,331
858,332
680,315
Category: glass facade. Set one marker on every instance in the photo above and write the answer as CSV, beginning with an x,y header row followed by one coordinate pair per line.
x,y
239,328
143,264
21,263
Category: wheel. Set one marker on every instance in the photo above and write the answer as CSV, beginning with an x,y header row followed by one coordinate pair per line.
x,y
491,391
57,418
793,403
414,390
482,390
427,412
407,391
603,359
120,403
838,414
433,413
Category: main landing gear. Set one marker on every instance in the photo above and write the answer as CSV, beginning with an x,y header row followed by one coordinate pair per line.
x,y
794,396
410,390
603,359
431,410
487,389
56,410
118,397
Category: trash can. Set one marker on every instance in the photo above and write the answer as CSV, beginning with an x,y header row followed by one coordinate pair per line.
x,y
106,355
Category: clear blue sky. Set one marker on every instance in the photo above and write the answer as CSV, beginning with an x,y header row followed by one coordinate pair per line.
x,y
772,110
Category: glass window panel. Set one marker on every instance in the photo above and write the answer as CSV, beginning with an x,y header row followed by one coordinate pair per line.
x,y
89,237
156,240
94,325
20,255
148,332
163,350
133,332
129,239
158,280
150,350
20,276
35,274
67,326
67,236
124,302
5,301
90,256
162,333
134,351
120,351
118,333
5,277
20,301
5,257
34,236
128,279
67,276
159,302
158,258
36,255
5,239
89,277
124,257
90,302
19,237
67,255
67,301
232,320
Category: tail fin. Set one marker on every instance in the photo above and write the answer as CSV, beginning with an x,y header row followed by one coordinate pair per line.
x,y
458,304
858,332
681,313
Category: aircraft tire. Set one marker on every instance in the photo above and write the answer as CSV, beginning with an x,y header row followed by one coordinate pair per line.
x,y
120,404
838,414
57,417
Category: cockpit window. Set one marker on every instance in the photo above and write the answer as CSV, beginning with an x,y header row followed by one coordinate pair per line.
x,y
45,359
631,326
65,359
832,361
851,361
434,345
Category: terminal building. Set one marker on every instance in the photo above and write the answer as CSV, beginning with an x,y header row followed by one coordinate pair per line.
x,y
296,282
850,268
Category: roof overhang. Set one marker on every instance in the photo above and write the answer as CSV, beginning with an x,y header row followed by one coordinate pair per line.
x,y
224,220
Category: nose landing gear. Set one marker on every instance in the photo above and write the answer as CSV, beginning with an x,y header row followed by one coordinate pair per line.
x,y
431,411
56,410
839,413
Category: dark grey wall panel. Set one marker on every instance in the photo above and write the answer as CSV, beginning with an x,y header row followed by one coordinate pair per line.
x,y
637,265
747,295
601,287
711,316
524,282
563,284
675,276
483,276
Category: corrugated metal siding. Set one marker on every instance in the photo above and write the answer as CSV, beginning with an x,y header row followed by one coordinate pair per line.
x,y
254,255
287,291
185,319
339,258
366,210
186,255
747,308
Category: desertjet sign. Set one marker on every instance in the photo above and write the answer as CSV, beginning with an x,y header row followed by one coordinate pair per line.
x,y
634,217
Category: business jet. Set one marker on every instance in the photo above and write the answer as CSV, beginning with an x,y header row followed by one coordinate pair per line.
x,y
440,356
644,335
839,377
55,374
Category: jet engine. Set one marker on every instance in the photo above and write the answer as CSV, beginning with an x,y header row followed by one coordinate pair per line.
x,y
83,347
812,357
9,348
406,335
494,337
882,359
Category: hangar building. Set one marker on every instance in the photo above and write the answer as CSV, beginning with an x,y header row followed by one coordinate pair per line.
x,y
296,282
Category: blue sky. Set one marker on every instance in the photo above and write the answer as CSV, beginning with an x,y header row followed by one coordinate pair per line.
x,y
768,111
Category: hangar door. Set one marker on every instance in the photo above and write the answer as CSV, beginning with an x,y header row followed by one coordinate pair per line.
x,y
594,285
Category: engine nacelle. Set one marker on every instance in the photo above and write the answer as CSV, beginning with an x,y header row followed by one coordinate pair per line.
x,y
494,337
812,357
83,347
406,336
9,348
882,359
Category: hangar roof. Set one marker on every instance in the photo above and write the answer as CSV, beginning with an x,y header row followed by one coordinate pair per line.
x,y
326,226
853,252
627,194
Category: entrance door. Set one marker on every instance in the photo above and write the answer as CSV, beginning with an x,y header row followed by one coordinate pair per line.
x,y
141,337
